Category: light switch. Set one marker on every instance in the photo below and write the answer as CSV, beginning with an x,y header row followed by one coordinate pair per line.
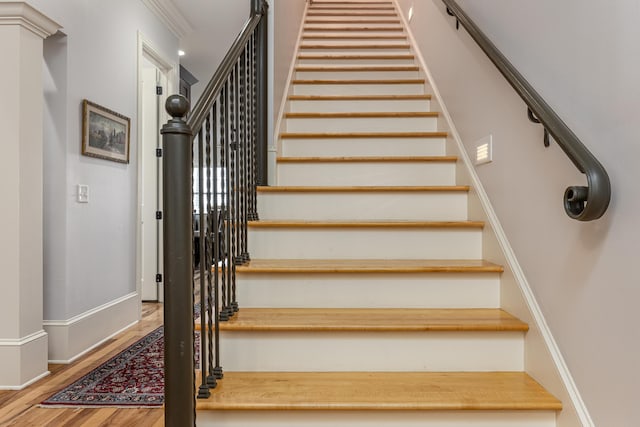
x,y
83,193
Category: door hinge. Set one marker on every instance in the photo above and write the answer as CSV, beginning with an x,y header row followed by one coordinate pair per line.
x,y
158,214
158,90
158,278
158,152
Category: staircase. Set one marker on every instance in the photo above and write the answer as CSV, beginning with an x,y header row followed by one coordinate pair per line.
x,y
367,301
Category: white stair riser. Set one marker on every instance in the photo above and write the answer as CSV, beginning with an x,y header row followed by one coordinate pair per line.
x,y
359,89
363,147
436,206
390,20
358,51
356,75
389,290
372,351
380,173
348,40
363,124
376,418
358,61
365,243
317,106
362,23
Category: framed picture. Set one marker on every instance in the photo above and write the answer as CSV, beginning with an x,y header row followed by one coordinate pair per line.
x,y
105,133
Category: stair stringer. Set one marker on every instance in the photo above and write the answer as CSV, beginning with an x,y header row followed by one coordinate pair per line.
x,y
543,359
275,150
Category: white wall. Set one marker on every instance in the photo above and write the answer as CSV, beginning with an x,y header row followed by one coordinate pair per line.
x,y
584,59
90,249
287,22
219,22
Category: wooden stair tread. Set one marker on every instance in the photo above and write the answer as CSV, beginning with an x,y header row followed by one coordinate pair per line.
x,y
379,391
356,47
425,97
380,159
373,320
350,7
352,21
357,68
350,115
351,14
364,224
349,29
364,189
307,266
353,37
357,82
358,135
358,57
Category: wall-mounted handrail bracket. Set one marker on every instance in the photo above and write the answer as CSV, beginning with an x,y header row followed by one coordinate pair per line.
x,y
583,203
450,13
534,119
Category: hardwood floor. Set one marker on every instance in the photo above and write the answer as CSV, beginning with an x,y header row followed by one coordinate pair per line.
x,y
20,408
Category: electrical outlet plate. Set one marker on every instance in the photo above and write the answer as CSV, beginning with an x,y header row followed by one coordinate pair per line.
x,y
484,150
83,193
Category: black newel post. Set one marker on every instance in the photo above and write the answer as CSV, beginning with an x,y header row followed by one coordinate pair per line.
x,y
260,6
179,407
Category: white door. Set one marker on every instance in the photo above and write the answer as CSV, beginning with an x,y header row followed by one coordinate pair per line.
x,y
151,172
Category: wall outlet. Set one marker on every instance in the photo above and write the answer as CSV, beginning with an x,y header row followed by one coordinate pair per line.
x,y
484,150
83,193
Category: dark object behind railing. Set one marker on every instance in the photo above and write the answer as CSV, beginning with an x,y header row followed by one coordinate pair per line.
x,y
580,203
212,166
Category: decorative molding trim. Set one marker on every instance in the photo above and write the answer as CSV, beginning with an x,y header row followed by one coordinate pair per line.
x,y
169,14
532,305
24,15
23,360
72,338
27,384
98,344
22,341
89,313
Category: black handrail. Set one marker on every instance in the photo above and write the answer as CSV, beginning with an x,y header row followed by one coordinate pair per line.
x,y
580,202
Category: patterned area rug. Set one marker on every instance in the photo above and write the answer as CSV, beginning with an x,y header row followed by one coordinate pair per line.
x,y
133,378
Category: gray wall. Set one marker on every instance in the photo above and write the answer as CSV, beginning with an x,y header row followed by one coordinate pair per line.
x,y
90,249
584,58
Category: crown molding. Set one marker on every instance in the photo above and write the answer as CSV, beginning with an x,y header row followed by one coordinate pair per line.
x,y
26,16
169,14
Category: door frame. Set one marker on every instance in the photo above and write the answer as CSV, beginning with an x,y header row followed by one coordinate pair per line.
x,y
169,69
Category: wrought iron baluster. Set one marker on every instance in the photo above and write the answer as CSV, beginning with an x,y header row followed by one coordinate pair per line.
x,y
201,230
216,241
244,254
235,163
253,212
211,239
224,209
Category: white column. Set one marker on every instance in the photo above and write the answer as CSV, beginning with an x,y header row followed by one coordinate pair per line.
x,y
23,342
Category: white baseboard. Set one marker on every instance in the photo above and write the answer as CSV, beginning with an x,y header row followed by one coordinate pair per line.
x,y
24,361
72,338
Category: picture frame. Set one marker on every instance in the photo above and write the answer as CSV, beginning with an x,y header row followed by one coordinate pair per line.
x,y
105,133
